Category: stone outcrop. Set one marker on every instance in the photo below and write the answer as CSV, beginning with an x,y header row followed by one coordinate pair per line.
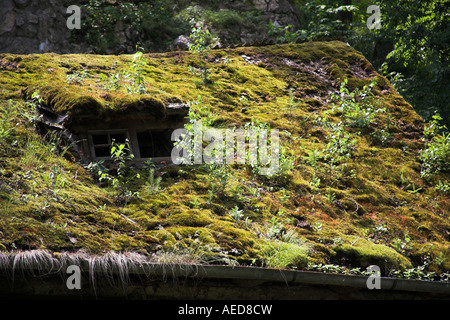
x,y
33,26
36,26
278,11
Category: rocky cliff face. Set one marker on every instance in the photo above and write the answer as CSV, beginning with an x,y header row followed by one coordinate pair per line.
x,y
34,26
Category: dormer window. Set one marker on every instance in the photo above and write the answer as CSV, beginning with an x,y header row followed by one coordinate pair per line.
x,y
145,123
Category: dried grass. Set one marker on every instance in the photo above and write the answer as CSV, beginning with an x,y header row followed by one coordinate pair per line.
x,y
114,267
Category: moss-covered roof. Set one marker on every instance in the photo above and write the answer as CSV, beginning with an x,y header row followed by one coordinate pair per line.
x,y
371,207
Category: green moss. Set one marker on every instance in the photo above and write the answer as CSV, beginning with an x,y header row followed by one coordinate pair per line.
x,y
277,254
165,239
192,218
362,253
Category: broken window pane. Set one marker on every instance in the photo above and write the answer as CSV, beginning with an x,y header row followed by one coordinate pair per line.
x,y
118,137
102,152
100,139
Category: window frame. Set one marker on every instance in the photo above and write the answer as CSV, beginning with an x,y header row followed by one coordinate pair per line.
x,y
108,134
151,131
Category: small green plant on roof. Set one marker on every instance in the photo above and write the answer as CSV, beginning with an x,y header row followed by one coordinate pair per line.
x,y
54,178
77,78
200,111
315,181
419,272
402,246
330,195
327,268
153,182
8,113
313,156
412,189
32,104
340,144
280,162
132,79
237,192
199,114
200,45
120,181
200,37
275,228
195,203
219,175
443,187
381,228
292,105
284,197
97,169
356,107
136,69
317,226
113,80
236,213
435,157
384,135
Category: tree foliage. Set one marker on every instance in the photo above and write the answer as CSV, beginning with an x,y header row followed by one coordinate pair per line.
x,y
411,48
420,59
